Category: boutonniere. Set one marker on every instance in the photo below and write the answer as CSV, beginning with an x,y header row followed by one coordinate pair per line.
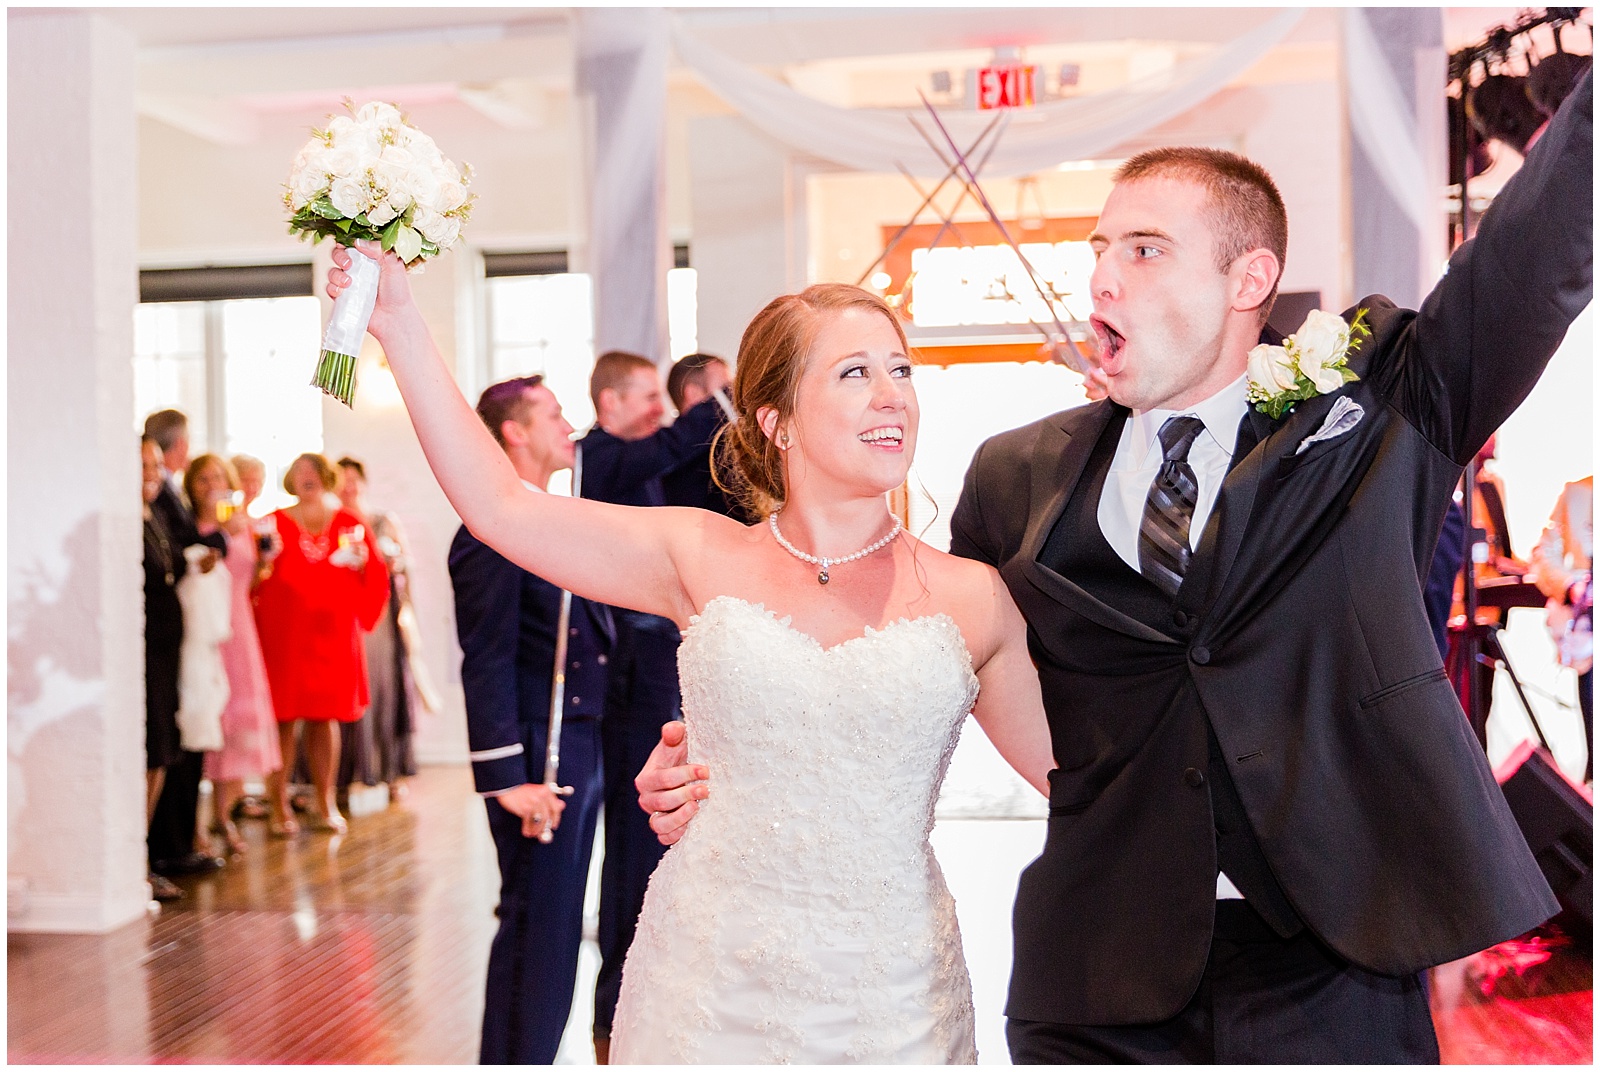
x,y
1313,361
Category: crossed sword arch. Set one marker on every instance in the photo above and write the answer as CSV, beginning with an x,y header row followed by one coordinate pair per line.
x,y
1071,343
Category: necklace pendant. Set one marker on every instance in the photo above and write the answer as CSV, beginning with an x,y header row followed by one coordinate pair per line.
x,y
822,576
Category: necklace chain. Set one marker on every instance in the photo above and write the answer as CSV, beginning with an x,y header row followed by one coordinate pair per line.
x,y
827,563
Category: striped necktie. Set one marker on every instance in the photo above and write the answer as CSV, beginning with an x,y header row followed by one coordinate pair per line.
x,y
1169,508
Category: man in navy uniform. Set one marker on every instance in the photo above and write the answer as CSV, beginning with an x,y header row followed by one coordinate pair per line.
x,y
506,620
626,458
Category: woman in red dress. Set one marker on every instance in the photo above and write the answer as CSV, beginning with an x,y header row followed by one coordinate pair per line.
x,y
327,588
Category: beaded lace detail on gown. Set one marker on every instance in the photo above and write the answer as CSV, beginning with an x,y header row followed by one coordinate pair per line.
x,y
803,918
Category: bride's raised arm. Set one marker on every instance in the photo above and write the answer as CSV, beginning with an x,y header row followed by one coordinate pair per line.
x,y
613,554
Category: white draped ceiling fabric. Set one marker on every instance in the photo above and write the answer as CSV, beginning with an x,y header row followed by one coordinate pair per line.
x,y
622,88
1039,138
1395,68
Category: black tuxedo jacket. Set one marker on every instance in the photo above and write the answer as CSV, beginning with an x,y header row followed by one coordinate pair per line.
x,y
1300,640
506,622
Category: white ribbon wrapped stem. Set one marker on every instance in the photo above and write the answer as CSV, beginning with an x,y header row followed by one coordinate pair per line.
x,y
353,308
341,341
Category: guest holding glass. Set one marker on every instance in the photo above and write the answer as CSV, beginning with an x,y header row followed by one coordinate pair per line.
x,y
377,747
327,587
249,729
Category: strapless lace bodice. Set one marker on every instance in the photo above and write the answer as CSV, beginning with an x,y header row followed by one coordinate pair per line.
x,y
803,916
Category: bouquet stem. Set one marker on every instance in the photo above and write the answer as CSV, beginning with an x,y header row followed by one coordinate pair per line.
x,y
341,341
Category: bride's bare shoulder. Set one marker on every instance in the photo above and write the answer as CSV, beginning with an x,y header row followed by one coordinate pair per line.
x,y
969,591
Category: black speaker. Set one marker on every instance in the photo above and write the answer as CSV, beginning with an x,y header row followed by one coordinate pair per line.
x,y
1558,821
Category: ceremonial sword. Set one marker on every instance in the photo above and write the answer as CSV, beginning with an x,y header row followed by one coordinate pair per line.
x,y
558,679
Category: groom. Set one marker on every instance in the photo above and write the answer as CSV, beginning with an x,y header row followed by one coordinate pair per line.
x,y
1225,609
1269,814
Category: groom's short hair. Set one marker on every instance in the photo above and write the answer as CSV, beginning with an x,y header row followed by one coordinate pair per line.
x,y
1247,210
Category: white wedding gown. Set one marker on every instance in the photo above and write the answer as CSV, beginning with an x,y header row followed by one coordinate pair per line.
x,y
803,918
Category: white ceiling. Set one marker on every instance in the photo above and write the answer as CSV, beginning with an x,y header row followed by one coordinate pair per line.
x,y
218,72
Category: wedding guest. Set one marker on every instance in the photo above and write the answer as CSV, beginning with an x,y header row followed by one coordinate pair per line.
x,y
174,837
252,474
249,729
163,637
508,621
377,747
690,381
327,587
1563,568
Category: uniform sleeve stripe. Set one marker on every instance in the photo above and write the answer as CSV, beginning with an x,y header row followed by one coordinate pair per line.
x,y
496,753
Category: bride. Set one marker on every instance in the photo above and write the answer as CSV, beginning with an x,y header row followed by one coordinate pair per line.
x,y
829,660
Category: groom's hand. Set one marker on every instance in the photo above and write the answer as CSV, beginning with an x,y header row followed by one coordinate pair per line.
x,y
669,789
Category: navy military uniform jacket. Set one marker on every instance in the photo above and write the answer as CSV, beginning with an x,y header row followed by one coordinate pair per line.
x,y
506,622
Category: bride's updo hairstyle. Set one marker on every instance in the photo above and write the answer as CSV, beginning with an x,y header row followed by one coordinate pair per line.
x,y
772,355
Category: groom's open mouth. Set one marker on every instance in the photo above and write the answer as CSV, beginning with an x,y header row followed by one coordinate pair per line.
x,y
1111,340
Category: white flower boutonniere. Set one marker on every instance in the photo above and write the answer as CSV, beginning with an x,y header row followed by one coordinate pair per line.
x,y
1312,361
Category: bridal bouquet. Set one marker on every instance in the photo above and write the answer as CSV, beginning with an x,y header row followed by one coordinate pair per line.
x,y
371,175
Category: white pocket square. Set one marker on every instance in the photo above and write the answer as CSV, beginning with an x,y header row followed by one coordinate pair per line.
x,y
1344,416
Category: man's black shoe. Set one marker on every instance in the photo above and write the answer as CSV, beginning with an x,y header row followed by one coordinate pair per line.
x,y
196,863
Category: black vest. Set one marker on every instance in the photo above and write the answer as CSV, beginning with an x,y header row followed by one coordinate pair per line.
x,y
1077,549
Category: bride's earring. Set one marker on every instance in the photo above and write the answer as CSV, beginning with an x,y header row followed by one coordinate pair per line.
x,y
783,440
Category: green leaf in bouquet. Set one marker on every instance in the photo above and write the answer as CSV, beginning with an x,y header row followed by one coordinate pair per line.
x,y
389,233
324,208
343,225
408,244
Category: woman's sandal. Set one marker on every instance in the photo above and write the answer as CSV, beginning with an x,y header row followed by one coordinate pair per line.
x,y
283,828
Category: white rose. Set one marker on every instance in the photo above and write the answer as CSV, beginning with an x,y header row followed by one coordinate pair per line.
x,y
343,162
378,114
381,213
428,222
1325,377
452,195
305,185
449,231
1321,340
399,157
1270,369
348,196
425,187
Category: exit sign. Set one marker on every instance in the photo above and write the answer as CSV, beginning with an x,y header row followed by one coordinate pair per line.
x,y
1009,86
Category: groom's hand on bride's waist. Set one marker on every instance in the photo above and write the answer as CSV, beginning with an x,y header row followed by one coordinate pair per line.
x,y
670,789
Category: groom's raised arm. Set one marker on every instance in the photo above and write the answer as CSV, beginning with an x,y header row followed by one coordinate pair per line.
x,y
1484,335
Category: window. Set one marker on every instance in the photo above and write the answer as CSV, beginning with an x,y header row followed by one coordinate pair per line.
x,y
541,320
240,369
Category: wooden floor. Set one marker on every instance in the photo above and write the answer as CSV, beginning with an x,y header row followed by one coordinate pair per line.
x,y
371,949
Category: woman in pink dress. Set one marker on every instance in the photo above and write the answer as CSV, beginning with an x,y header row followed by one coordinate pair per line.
x,y
249,730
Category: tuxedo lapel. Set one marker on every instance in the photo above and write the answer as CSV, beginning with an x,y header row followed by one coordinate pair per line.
x,y
1058,467
1059,458
1260,450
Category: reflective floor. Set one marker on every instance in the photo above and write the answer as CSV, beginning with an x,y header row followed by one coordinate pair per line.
x,y
371,948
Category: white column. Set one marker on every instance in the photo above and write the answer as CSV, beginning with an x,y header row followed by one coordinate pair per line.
x,y
75,696
622,95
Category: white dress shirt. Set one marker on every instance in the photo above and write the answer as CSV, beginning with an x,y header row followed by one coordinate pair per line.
x,y
1134,467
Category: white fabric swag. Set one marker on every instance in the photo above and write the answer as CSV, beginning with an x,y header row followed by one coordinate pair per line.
x,y
877,140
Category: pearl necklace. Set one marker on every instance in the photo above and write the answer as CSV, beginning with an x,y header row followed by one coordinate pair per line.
x,y
827,563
